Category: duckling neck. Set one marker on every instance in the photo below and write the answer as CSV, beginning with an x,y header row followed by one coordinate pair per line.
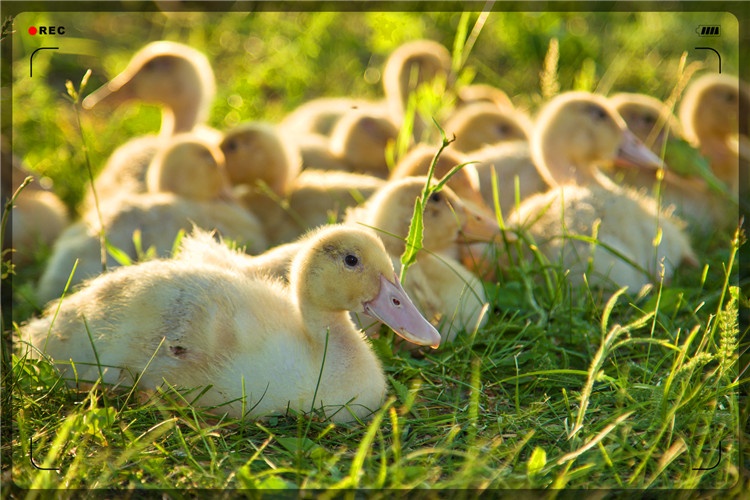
x,y
336,325
175,121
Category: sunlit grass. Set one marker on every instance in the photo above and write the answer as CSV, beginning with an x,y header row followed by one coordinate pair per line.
x,y
562,388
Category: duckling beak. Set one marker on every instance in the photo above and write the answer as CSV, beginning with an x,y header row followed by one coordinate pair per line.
x,y
479,226
633,153
393,307
112,93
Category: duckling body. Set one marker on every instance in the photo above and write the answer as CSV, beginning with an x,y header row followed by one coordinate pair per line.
x,y
176,202
575,132
260,344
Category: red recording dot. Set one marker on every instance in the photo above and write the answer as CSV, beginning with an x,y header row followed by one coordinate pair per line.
x,y
32,30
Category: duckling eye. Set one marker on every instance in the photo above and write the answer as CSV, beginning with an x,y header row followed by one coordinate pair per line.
x,y
436,198
503,129
649,119
231,146
729,97
597,112
351,260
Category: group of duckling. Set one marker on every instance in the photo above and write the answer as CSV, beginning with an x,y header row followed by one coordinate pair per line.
x,y
319,220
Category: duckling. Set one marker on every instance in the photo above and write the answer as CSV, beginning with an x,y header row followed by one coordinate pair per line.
x,y
177,77
256,151
703,205
193,170
575,132
263,348
710,115
444,290
407,68
482,123
37,217
360,139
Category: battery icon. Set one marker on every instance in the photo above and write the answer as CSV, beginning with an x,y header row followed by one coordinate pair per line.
x,y
708,30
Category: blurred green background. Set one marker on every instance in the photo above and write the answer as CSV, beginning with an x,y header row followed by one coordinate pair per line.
x,y
267,63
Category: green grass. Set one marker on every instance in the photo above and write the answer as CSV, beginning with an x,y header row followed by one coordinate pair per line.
x,y
563,388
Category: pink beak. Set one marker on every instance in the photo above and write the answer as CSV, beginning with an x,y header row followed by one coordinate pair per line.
x,y
633,153
393,307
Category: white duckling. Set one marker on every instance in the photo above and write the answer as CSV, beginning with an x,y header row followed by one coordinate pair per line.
x,y
482,124
574,133
261,346
444,290
170,74
188,187
710,115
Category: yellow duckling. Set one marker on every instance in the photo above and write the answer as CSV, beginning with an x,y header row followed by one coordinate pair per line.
x,y
264,348
360,140
482,124
444,290
257,152
689,194
575,132
710,115
38,216
407,68
188,188
170,74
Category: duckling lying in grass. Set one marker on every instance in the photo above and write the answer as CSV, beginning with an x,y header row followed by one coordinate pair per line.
x,y
575,132
258,345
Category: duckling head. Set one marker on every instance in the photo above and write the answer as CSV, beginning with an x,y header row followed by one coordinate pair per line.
x,y
166,73
711,107
465,182
576,132
361,138
447,220
190,167
647,117
482,123
255,152
344,268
